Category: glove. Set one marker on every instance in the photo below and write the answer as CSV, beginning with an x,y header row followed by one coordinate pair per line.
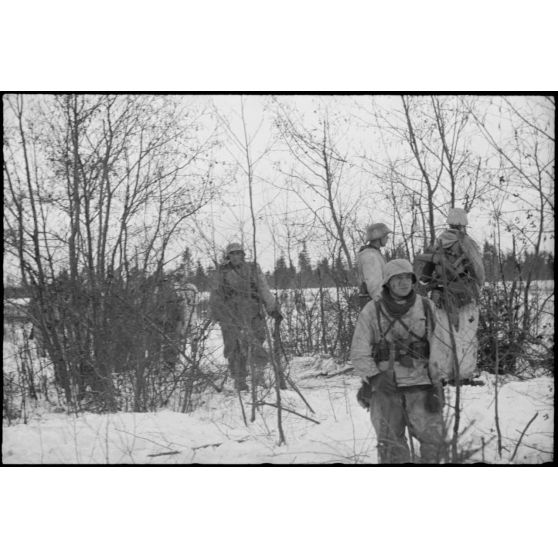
x,y
384,382
276,315
435,399
364,393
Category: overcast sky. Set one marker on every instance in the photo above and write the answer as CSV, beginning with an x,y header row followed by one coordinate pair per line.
x,y
273,203
283,219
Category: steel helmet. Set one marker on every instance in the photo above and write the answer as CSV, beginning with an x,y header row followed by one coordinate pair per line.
x,y
234,247
376,231
457,216
190,287
396,267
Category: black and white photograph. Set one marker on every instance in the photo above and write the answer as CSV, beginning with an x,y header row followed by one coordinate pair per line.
x,y
284,279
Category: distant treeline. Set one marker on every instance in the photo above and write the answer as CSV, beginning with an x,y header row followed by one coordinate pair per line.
x,y
328,273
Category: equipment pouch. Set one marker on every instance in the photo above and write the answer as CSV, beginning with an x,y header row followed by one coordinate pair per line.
x,y
420,349
363,290
381,352
405,360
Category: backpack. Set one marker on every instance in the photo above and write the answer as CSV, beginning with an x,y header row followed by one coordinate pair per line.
x,y
450,258
447,267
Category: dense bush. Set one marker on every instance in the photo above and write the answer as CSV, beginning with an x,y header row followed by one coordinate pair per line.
x,y
113,342
319,320
514,339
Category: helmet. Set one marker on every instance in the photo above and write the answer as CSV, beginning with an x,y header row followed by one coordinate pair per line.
x,y
376,231
234,247
396,267
457,216
190,287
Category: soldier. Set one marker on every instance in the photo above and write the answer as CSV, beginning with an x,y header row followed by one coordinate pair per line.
x,y
370,269
390,351
454,274
371,263
236,303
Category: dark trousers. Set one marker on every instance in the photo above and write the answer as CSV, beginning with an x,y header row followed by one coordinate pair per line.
x,y
392,413
240,340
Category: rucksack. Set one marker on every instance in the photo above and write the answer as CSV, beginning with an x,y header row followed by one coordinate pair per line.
x,y
446,266
450,259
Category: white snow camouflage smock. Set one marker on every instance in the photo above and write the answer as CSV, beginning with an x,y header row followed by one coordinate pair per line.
x,y
465,330
370,270
367,335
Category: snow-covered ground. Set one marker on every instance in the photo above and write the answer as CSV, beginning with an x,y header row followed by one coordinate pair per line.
x,y
339,430
215,432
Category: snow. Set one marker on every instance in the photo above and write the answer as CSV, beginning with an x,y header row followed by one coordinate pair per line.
x,y
518,402
216,434
215,431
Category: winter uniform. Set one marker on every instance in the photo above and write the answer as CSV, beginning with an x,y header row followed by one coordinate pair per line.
x,y
390,349
455,276
370,265
236,303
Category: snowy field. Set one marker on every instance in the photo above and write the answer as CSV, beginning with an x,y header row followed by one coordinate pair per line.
x,y
339,430
216,434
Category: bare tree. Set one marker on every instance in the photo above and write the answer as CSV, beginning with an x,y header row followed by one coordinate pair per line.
x,y
318,174
99,187
429,161
525,175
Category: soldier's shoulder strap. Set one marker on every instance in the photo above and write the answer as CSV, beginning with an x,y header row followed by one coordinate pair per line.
x,y
379,311
428,314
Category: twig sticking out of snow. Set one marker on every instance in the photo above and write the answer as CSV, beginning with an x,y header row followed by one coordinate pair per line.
x,y
290,411
164,453
523,434
295,388
217,444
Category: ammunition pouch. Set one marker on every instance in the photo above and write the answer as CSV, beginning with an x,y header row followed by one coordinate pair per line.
x,y
381,352
404,355
420,349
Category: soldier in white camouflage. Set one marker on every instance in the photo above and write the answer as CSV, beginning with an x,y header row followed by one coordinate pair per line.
x,y
371,263
453,273
390,351
370,271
